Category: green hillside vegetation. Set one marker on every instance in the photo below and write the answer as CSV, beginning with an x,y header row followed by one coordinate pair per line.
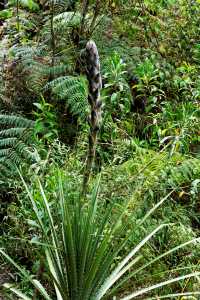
x,y
99,149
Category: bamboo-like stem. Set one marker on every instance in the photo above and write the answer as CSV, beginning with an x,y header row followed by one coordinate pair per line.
x,y
95,84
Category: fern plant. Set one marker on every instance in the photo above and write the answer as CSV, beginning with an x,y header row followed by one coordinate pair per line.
x,y
46,60
35,63
72,90
16,142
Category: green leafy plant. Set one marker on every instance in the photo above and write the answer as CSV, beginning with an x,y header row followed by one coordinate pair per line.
x,y
45,123
178,126
81,249
30,4
5,14
150,83
116,92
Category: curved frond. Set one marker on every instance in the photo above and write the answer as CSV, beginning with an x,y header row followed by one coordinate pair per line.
x,y
74,91
15,141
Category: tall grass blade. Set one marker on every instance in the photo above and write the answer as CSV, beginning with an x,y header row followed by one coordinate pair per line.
x,y
16,291
132,274
35,282
114,275
159,285
186,294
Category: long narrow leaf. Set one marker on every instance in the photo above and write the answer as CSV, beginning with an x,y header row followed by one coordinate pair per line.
x,y
16,291
174,295
155,207
159,285
113,277
35,282
132,274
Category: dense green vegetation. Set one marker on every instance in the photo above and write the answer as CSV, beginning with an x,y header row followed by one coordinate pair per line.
x,y
99,149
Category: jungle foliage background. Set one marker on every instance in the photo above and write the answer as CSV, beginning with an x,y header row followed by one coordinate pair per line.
x,y
129,226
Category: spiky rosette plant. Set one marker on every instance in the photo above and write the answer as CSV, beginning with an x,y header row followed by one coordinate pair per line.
x,y
82,249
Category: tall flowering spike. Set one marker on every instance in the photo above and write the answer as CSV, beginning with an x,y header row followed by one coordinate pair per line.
x,y
95,85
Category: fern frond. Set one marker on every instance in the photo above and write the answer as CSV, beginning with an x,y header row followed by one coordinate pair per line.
x,y
15,141
74,91
27,51
5,152
11,132
67,19
11,120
